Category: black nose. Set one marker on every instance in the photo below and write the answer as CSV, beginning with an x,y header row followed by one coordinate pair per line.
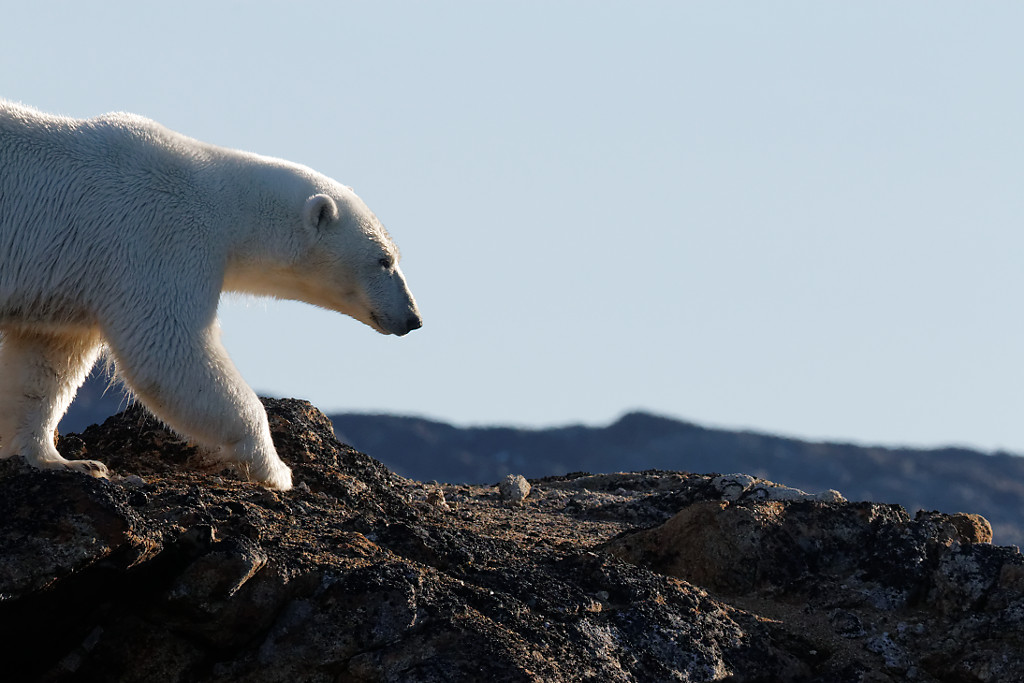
x,y
413,323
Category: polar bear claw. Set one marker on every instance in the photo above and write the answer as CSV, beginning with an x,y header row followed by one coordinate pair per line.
x,y
94,468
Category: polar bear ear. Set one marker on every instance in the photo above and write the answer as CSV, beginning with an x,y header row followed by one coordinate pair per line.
x,y
320,211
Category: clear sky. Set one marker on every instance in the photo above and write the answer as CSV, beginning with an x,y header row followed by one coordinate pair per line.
x,y
797,217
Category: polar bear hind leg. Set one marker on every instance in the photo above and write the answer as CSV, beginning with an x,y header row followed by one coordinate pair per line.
x,y
189,382
40,372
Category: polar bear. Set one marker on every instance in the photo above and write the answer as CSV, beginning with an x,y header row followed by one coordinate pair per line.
x,y
117,233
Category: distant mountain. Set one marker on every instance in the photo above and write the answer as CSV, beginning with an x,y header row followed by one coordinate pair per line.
x,y
946,479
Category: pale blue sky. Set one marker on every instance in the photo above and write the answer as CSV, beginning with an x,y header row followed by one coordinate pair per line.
x,y
799,217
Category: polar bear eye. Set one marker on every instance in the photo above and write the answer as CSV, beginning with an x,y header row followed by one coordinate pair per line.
x,y
384,263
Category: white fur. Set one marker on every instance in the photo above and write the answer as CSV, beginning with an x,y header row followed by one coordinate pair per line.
x,y
117,232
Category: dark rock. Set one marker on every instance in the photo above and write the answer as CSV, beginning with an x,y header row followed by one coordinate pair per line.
x,y
181,571
55,524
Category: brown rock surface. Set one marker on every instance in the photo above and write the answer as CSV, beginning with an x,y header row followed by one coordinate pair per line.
x,y
181,572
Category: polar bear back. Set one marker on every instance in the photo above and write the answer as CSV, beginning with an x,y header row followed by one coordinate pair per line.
x,y
60,247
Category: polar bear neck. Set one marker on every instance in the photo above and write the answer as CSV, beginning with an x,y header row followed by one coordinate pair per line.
x,y
270,242
266,197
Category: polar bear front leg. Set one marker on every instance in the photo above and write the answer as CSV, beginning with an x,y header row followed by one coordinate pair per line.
x,y
189,382
40,373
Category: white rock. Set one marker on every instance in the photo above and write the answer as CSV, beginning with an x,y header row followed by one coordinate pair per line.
x,y
732,486
514,488
831,496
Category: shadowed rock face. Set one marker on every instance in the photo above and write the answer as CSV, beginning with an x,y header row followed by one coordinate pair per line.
x,y
179,571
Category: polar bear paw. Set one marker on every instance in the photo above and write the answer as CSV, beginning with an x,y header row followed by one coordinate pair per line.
x,y
94,468
276,475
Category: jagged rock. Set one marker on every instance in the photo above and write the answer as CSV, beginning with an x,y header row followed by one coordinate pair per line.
x,y
437,499
56,525
739,547
177,570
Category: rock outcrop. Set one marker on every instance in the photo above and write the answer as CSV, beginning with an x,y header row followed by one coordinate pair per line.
x,y
178,571
948,479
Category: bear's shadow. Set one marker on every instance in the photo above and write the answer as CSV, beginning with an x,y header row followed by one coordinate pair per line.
x,y
134,442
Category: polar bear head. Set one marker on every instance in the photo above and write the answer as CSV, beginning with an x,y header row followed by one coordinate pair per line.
x,y
325,247
354,262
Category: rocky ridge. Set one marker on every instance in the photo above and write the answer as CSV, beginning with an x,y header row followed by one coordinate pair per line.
x,y
178,571
948,479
